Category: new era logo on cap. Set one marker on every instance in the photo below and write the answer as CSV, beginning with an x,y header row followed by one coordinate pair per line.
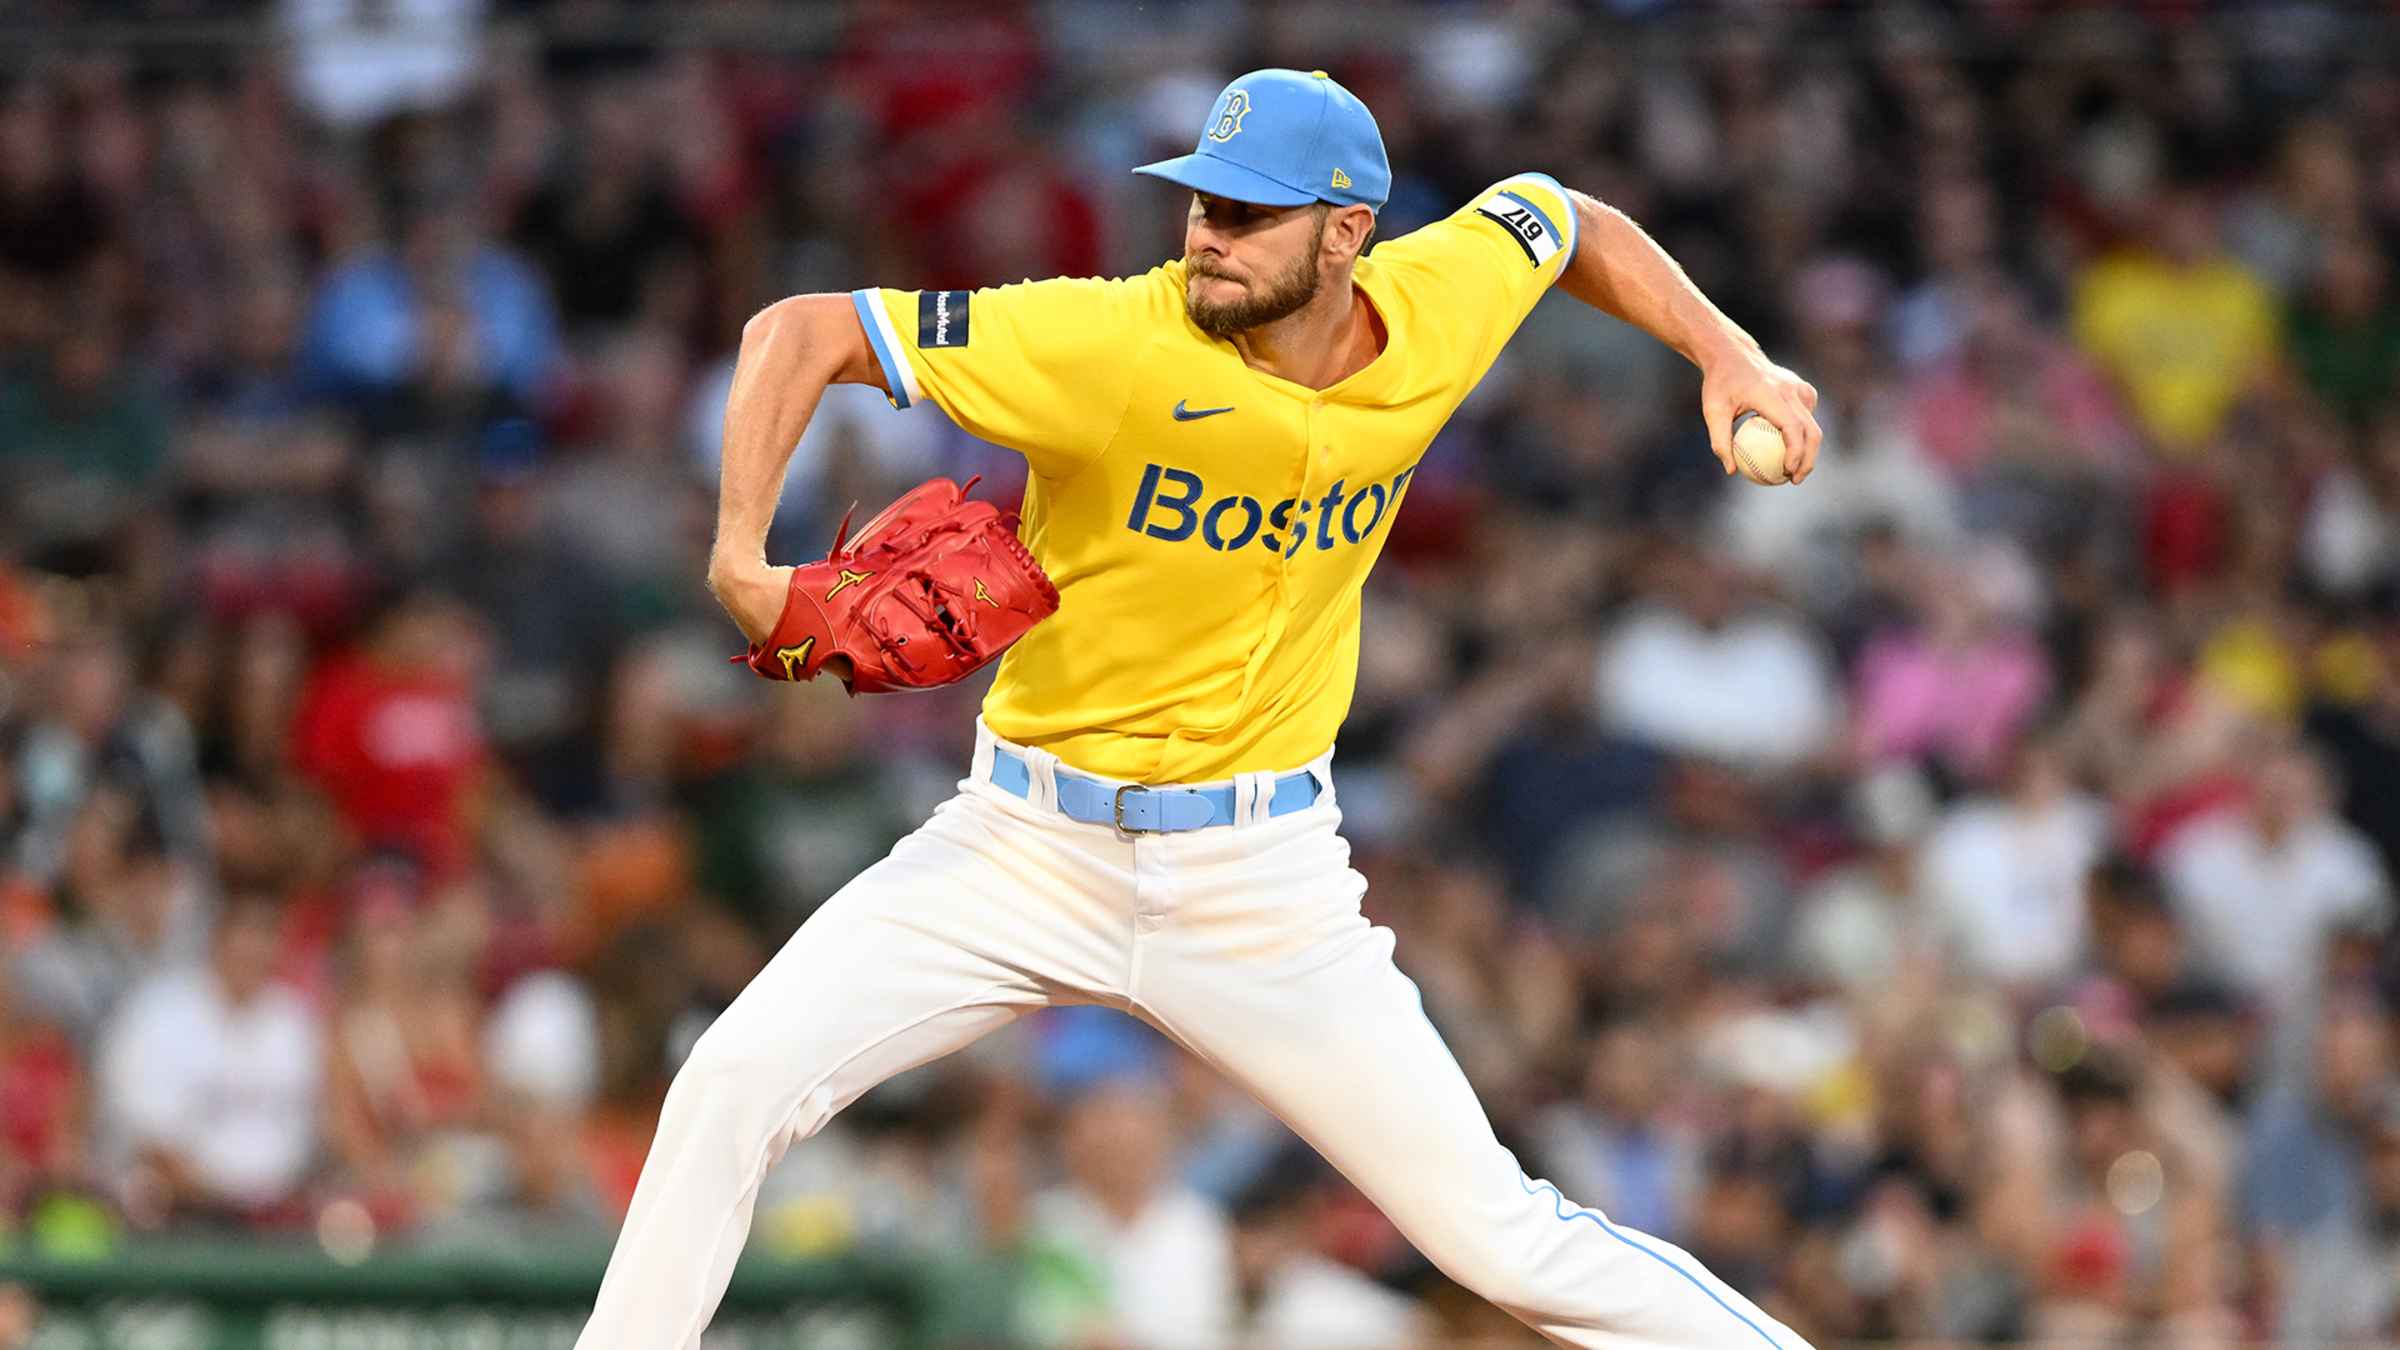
x,y
1285,138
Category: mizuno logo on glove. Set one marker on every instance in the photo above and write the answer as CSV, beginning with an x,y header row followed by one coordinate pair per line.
x,y
794,658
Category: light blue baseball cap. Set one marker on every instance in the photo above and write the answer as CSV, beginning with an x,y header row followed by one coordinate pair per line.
x,y
1286,138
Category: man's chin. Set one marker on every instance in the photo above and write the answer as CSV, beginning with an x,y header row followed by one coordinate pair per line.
x,y
1213,319
1215,322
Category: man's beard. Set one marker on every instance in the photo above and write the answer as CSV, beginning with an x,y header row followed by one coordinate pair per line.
x,y
1287,294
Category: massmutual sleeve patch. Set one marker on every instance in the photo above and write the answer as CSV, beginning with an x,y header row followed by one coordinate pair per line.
x,y
1534,212
942,319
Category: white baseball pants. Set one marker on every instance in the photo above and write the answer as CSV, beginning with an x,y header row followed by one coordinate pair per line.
x,y
1244,944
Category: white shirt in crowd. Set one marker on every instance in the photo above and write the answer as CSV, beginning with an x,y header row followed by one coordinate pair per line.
x,y
233,1090
1314,1303
354,61
1757,689
1170,1271
2259,914
2007,884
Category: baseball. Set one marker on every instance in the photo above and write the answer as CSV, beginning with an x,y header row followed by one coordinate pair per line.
x,y
1758,449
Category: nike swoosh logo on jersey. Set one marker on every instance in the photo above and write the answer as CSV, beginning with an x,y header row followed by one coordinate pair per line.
x,y
1184,414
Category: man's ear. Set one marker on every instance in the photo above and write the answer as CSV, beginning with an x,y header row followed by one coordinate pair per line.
x,y
1347,231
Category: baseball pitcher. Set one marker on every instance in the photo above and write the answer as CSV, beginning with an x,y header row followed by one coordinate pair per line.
x,y
1218,447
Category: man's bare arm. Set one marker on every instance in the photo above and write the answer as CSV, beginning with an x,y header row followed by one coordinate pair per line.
x,y
1620,270
791,351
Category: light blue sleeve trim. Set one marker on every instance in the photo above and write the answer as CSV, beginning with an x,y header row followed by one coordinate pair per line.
x,y
898,379
1574,225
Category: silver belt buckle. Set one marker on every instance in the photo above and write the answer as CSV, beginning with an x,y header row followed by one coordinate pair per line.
x,y
1117,808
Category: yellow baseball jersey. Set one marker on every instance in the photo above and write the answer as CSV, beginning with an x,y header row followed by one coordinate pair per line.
x,y
1210,526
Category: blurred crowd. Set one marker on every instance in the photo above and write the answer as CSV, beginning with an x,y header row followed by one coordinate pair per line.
x,y
1952,898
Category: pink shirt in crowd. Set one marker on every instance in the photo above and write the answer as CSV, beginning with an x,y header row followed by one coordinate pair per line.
x,y
1963,704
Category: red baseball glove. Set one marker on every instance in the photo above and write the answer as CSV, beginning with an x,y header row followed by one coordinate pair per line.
x,y
931,590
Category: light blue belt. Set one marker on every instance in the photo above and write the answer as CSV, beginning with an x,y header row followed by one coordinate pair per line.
x,y
1147,810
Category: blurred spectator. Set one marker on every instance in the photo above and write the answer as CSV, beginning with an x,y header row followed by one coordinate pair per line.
x,y
2138,947
2007,874
1882,476
542,1191
541,1063
209,1083
551,617
1958,228
1500,1000
1298,1297
2360,735
389,732
2261,886
2209,1036
127,914
443,331
246,724
2350,539
1698,671
2280,227
1958,685
626,506
2306,1150
2016,394
2338,1278
263,463
2181,326
1860,925
1740,1214
542,1043
357,60
403,1070
1618,1145
2346,334
43,1113
84,433
2163,745
51,221
2126,1214
99,728
1162,1256
792,825
606,226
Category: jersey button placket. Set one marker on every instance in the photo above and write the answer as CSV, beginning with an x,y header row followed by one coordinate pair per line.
x,y
1311,446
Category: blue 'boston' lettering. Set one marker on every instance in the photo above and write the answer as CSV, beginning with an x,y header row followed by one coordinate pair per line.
x,y
1141,498
1351,529
1150,500
1210,524
1333,498
1277,519
1167,506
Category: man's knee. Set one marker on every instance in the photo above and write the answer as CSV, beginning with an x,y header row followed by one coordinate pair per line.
x,y
746,1083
